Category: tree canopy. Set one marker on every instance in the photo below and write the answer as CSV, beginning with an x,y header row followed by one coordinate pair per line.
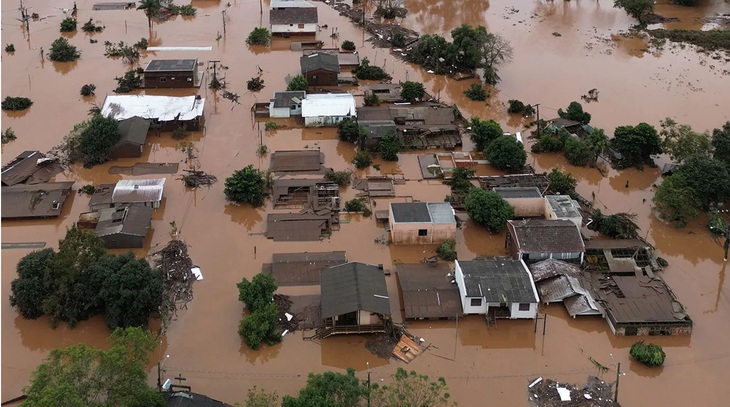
x,y
488,209
459,181
257,292
389,146
484,132
151,8
636,144
259,36
84,376
507,154
63,51
349,130
261,325
329,389
675,201
561,182
575,113
100,134
412,91
247,185
366,71
721,144
256,397
409,389
578,152
680,141
298,82
641,10
708,178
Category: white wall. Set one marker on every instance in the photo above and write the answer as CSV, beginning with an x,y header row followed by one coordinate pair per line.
x,y
323,120
466,306
279,111
516,313
293,28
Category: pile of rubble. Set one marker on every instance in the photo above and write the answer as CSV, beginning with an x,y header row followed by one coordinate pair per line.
x,y
550,393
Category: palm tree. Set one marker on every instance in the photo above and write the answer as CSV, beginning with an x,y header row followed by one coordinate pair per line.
x,y
598,142
150,7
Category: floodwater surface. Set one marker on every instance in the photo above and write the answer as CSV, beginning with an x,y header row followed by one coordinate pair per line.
x,y
483,366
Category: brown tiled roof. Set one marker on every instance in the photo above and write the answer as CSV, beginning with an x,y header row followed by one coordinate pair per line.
x,y
546,236
427,291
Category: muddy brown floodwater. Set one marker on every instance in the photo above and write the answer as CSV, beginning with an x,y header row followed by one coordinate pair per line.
x,y
483,366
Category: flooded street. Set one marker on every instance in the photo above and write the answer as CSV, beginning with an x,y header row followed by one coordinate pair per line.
x,y
482,366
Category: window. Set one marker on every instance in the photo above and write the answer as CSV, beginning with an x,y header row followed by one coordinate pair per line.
x,y
163,79
301,25
314,76
476,302
293,107
422,232
524,306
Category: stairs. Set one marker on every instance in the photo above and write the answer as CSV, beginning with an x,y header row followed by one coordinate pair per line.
x,y
321,333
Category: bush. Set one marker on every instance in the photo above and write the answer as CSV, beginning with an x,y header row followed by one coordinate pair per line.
x,y
367,72
99,135
459,181
88,89
483,132
8,136
255,84
142,43
412,91
362,160
516,106
507,154
259,36
68,25
247,185
398,40
575,112
488,209
270,125
371,99
560,182
578,152
129,54
90,27
16,103
446,251
651,355
348,45
477,92
355,205
341,178
129,82
10,48
389,146
63,51
350,130
298,82
261,326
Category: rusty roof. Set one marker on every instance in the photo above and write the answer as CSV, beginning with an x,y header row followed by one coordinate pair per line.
x,y
296,227
34,201
427,291
546,236
354,287
30,167
302,268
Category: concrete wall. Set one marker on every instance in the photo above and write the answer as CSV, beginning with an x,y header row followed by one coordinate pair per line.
x,y
294,29
284,111
178,79
550,214
517,314
528,207
407,233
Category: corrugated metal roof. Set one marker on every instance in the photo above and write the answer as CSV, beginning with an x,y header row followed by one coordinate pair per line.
x,y
354,287
319,60
168,65
127,220
329,104
302,268
138,190
296,161
552,267
427,291
163,108
441,213
285,99
563,206
546,236
498,280
289,4
302,15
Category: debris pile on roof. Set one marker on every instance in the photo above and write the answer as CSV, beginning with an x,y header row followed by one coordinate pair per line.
x,y
549,393
176,267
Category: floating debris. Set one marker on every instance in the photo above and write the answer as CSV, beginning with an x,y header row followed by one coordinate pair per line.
x,y
195,178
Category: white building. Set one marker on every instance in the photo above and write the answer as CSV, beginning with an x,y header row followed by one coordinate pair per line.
x,y
293,18
327,109
498,288
287,104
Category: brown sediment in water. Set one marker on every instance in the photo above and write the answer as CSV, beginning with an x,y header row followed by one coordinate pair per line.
x,y
479,363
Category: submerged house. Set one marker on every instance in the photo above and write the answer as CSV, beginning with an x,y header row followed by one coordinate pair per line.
x,y
30,167
292,17
527,201
328,109
286,104
497,288
427,292
124,227
171,73
421,222
34,201
354,299
169,112
539,239
132,136
558,281
320,69
376,130
143,192
563,207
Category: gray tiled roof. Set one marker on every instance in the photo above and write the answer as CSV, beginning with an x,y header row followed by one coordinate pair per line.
x,y
299,15
547,236
498,281
284,99
405,212
353,287
321,60
518,192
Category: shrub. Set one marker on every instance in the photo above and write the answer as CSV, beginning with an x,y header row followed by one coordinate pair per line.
x,y
341,178
68,25
389,146
298,82
412,91
8,136
90,27
63,51
271,125
255,84
88,89
362,159
477,92
350,130
515,106
129,82
16,103
651,355
259,36
10,48
560,182
398,40
355,205
371,99
348,45
247,185
446,251
368,72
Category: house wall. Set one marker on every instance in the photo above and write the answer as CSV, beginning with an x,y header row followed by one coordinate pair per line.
x,y
558,256
122,241
320,77
154,205
323,121
280,111
466,301
294,29
126,150
188,125
368,318
443,232
511,245
176,79
407,233
528,207
517,314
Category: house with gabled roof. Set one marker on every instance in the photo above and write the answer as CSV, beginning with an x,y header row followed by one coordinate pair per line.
x,y
293,18
124,227
286,104
320,68
132,136
144,192
30,167
538,239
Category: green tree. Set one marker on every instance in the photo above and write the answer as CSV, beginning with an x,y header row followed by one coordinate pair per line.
x,y
298,82
247,185
636,144
459,181
63,51
483,132
348,45
675,201
488,209
506,154
82,375
578,152
649,354
330,389
515,106
641,10
68,25
28,291
261,326
446,250
101,134
366,71
433,52
561,182
575,112
362,160
477,92
259,36
598,142
349,130
412,91
258,292
151,8
16,103
708,178
496,52
260,398
680,141
371,99
130,81
8,135
389,146
409,389
721,144
469,40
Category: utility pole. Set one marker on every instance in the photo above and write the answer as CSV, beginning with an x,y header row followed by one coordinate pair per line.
x,y
368,388
159,376
261,6
618,375
223,12
537,108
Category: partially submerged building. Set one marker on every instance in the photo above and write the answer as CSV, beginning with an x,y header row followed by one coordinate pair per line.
x,y
421,222
428,291
34,201
143,192
298,269
345,59
574,128
317,194
558,281
376,130
123,227
421,126
628,256
30,167
515,180
563,207
293,17
527,201
132,137
172,73
320,69
301,227
328,109
497,288
386,92
286,104
539,239
302,161
170,112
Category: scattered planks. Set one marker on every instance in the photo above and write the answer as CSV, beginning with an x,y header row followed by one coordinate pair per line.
x,y
177,290
195,178
407,349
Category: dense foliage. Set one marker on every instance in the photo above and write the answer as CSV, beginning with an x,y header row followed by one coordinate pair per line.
x,y
680,141
99,135
636,144
675,201
366,71
575,113
84,376
389,146
298,82
348,45
357,205
507,154
408,389
259,36
129,82
561,182
16,103
362,160
488,209
641,10
329,389
349,130
68,25
63,51
412,91
483,132
446,250
81,280
477,92
247,185
649,354
578,152
616,226
261,324
721,144
459,181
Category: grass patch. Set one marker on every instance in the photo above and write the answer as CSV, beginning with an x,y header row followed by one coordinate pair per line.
x,y
708,40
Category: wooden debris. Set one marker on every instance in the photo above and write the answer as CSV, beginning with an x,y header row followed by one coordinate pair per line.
x,y
177,290
407,349
195,178
233,97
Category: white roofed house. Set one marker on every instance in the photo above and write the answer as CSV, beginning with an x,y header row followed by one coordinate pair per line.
x,y
143,192
286,104
327,109
167,111
293,17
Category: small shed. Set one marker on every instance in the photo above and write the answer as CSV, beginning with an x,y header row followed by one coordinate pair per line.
x,y
421,222
427,292
132,136
30,167
171,73
527,201
354,299
563,207
144,192
497,288
293,18
297,161
124,227
328,109
539,239
320,69
34,201
377,129
286,104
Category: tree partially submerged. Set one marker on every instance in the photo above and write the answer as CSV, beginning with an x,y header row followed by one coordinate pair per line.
x,y
366,71
99,135
459,181
488,209
389,146
151,8
329,389
575,113
130,81
298,82
409,389
477,92
68,25
636,144
680,141
16,103
261,324
63,51
259,36
649,354
8,136
721,144
506,154
641,10
412,91
349,130
446,250
483,132
560,182
247,185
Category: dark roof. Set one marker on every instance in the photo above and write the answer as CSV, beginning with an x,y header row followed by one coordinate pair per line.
x,y
295,227
165,65
546,236
125,220
601,244
299,15
302,268
551,268
559,122
518,192
499,280
320,60
284,99
34,201
189,399
297,160
377,129
26,168
516,180
404,212
427,291
353,287
133,130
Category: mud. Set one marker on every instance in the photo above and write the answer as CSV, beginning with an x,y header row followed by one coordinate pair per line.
x,y
478,362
